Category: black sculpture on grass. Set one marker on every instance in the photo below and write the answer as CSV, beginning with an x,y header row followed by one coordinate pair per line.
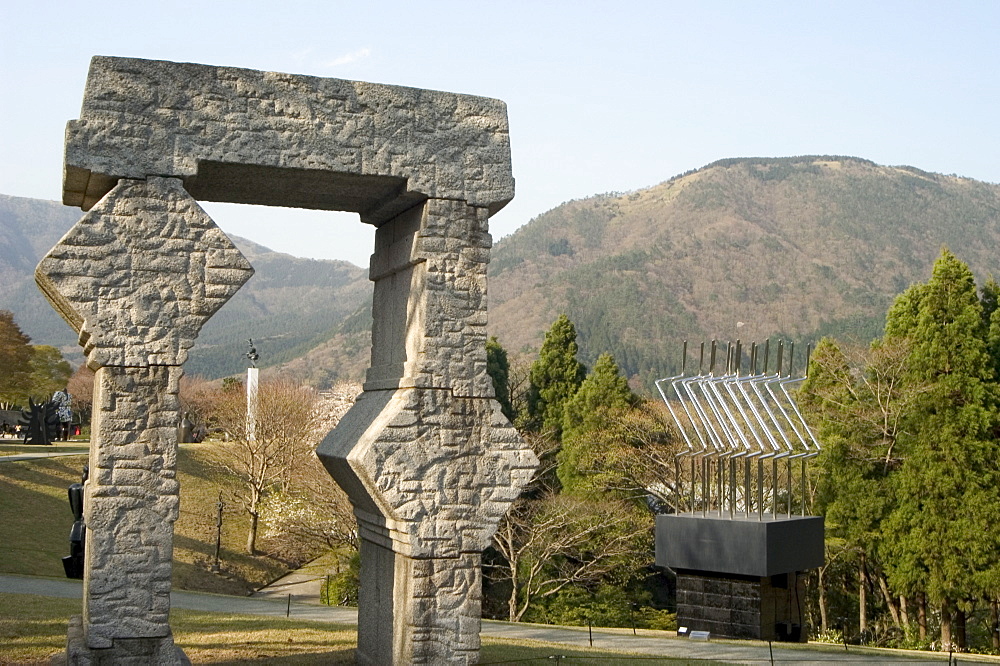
x,y
73,563
41,422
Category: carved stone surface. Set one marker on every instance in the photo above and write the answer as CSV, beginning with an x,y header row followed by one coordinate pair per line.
x,y
141,273
429,269
428,460
246,136
425,454
131,504
137,278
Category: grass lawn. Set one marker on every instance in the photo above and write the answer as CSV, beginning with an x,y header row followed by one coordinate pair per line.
x,y
13,447
33,628
35,522
35,517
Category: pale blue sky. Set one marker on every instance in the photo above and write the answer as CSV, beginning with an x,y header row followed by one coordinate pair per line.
x,y
601,96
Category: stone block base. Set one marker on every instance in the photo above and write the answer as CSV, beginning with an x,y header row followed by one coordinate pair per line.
x,y
125,652
730,606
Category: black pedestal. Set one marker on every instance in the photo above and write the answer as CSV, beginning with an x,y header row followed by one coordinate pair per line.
x,y
741,577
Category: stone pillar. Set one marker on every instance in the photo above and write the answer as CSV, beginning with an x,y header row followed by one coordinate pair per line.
x,y
430,463
137,278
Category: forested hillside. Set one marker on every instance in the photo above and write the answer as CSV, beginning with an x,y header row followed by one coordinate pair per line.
x,y
28,229
799,247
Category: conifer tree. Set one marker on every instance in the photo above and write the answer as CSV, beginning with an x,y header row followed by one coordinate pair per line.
x,y
498,368
856,406
602,391
940,533
902,316
990,300
555,377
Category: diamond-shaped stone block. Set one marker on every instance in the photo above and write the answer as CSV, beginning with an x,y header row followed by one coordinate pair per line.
x,y
141,273
438,472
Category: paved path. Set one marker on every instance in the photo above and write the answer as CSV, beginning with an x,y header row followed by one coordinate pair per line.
x,y
71,448
647,642
303,584
42,454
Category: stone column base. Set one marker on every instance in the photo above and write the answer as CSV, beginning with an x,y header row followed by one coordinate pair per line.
x,y
125,651
418,610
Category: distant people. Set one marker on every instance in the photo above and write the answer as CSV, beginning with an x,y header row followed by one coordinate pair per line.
x,y
64,412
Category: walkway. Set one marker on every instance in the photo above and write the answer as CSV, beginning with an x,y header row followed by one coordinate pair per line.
x,y
657,643
26,452
303,584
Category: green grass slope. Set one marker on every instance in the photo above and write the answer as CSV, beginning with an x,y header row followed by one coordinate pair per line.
x,y
35,522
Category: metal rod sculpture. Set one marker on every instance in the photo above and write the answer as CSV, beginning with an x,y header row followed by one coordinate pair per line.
x,y
730,419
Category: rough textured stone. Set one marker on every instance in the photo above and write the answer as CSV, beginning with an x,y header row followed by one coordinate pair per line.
x,y
246,136
141,273
137,278
428,460
124,652
131,504
429,269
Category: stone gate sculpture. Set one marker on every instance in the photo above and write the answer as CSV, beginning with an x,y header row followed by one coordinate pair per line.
x,y
427,459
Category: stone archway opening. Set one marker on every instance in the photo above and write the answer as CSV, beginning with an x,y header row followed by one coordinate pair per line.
x,y
300,232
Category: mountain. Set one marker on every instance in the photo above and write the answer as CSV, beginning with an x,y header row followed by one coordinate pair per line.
x,y
28,229
290,306
795,247
743,248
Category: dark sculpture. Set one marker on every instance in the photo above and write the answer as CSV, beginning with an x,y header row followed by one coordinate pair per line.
x,y
73,563
42,423
252,354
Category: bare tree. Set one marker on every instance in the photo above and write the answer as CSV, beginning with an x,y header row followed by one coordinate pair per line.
x,y
311,507
314,511
81,388
199,398
558,540
265,457
633,455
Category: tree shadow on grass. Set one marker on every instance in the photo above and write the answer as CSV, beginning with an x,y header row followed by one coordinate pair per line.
x,y
34,530
233,639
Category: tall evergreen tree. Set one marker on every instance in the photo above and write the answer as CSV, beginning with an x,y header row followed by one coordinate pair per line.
x,y
902,316
498,368
555,377
990,300
602,391
856,406
940,533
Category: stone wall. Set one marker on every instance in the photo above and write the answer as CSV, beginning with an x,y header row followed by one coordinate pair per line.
x,y
741,606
